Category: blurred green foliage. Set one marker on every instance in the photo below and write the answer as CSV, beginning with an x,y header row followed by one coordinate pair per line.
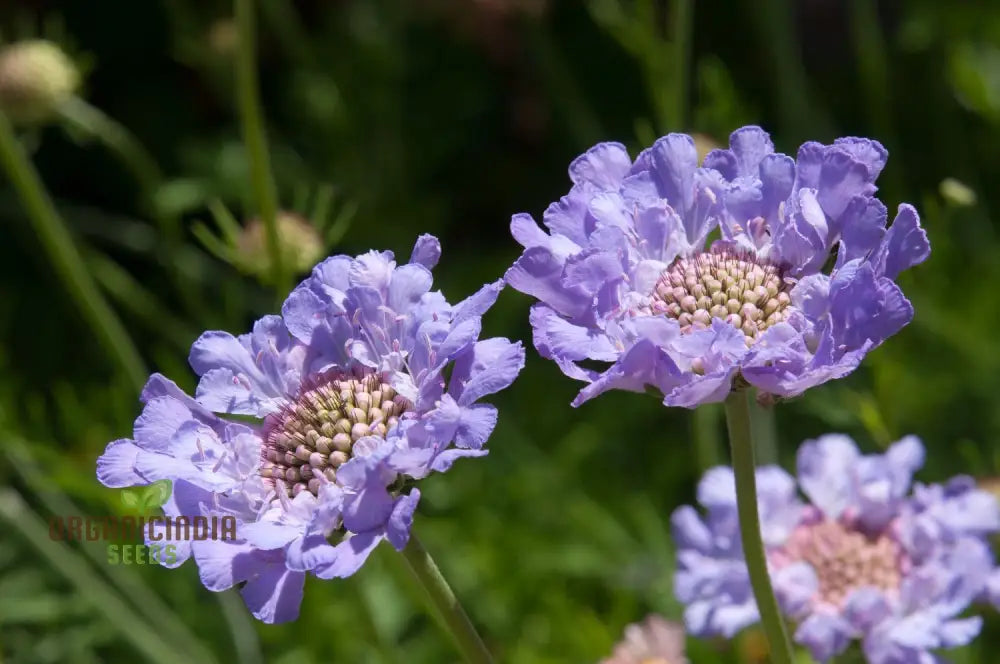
x,y
447,117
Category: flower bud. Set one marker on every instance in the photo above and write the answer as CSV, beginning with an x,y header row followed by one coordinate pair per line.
x,y
300,243
36,76
957,193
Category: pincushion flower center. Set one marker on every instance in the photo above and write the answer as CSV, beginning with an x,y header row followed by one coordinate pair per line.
x,y
845,559
314,433
737,287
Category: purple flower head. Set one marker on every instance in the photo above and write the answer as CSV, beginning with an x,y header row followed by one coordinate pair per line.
x,y
624,274
345,404
864,559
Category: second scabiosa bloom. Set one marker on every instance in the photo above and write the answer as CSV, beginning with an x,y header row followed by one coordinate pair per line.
x,y
865,558
368,381
629,274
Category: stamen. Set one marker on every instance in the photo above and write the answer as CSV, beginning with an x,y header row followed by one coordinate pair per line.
x,y
844,559
737,287
312,435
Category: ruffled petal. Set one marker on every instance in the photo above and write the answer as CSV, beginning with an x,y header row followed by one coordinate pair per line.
x,y
842,178
749,146
275,594
486,367
159,420
866,151
539,273
671,161
222,564
795,586
303,312
348,556
409,283
602,166
690,532
824,471
478,303
367,503
213,350
554,336
717,489
862,228
401,520
223,391
904,245
372,270
426,251
116,468
645,363
824,635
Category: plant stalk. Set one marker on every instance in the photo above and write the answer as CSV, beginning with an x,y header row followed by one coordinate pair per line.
x,y
740,427
66,261
427,574
251,119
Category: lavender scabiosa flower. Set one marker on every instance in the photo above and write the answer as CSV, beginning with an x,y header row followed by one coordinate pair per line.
x,y
351,404
655,640
624,275
864,559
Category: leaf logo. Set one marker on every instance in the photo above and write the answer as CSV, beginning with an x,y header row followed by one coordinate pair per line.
x,y
146,499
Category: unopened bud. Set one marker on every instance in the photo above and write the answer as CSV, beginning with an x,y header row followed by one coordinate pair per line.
x,y
223,38
300,243
36,76
957,193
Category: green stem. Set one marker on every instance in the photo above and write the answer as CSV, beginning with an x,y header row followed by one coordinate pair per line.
x,y
80,115
741,442
451,612
242,629
254,137
140,301
65,258
683,15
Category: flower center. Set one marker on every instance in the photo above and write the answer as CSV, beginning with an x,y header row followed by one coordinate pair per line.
x,y
745,291
845,559
314,434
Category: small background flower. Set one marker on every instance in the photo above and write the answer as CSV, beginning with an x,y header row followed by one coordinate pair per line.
x,y
863,559
655,640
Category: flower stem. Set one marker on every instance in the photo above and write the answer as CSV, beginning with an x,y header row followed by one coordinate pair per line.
x,y
65,258
93,122
261,178
741,443
457,621
683,13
